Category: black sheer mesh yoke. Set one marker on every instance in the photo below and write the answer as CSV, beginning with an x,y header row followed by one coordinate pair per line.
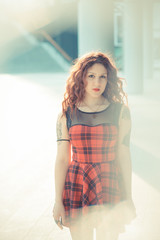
x,y
110,115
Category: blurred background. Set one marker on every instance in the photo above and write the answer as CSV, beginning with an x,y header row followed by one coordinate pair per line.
x,y
39,40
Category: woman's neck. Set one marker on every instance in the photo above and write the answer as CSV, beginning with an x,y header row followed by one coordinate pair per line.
x,y
94,101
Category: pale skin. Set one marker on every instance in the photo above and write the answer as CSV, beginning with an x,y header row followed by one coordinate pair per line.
x,y
61,167
96,78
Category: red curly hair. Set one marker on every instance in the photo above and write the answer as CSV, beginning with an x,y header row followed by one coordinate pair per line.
x,y
75,86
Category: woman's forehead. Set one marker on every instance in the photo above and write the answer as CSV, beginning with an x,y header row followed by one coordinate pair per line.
x,y
97,68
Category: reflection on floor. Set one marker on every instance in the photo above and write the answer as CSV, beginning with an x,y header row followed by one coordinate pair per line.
x,y
29,105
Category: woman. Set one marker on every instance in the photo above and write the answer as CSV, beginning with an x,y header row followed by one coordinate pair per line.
x,y
93,186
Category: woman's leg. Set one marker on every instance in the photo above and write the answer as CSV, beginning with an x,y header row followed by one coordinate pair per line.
x,y
81,231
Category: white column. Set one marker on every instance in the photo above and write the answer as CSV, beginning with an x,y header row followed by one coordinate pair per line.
x,y
133,53
148,39
95,26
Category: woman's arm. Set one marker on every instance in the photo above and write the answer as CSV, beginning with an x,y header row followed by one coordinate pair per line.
x,y
124,157
61,166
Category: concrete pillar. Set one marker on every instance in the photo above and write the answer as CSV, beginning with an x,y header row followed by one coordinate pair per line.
x,y
148,40
95,26
133,53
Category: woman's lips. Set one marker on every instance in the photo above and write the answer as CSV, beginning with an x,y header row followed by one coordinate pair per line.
x,y
96,89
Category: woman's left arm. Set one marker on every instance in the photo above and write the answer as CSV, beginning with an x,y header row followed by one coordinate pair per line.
x,y
124,160
123,154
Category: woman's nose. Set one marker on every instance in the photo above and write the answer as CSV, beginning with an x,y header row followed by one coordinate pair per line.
x,y
97,80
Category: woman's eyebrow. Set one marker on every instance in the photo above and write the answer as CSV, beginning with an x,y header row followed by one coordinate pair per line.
x,y
95,73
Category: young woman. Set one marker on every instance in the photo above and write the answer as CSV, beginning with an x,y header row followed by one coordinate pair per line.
x,y
93,184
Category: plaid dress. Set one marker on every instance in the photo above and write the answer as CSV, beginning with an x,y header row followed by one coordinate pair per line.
x,y
93,177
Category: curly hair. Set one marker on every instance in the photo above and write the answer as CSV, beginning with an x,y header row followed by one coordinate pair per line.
x,y
75,86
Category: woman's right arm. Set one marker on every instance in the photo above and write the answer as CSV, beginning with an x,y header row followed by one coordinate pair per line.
x,y
61,166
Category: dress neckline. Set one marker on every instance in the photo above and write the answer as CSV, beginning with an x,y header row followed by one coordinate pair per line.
x,y
94,112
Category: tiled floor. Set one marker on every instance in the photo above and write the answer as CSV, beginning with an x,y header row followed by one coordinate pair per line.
x,y
29,105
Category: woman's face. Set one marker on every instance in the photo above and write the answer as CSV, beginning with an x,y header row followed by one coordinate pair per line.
x,y
95,80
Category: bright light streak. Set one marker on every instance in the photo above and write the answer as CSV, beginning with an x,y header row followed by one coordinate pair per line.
x,y
31,16
25,4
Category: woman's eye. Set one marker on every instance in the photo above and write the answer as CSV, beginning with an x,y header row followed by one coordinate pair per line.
x,y
91,76
103,76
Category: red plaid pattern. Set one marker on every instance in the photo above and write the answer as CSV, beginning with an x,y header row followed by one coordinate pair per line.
x,y
93,176
93,144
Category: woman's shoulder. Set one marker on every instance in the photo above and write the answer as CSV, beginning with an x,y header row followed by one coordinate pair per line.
x,y
64,114
124,115
61,118
121,106
117,107
68,117
121,111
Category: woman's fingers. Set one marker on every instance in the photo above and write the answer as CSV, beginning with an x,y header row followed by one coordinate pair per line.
x,y
59,214
58,221
63,218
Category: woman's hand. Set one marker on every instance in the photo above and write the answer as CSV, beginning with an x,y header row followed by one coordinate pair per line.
x,y
59,214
